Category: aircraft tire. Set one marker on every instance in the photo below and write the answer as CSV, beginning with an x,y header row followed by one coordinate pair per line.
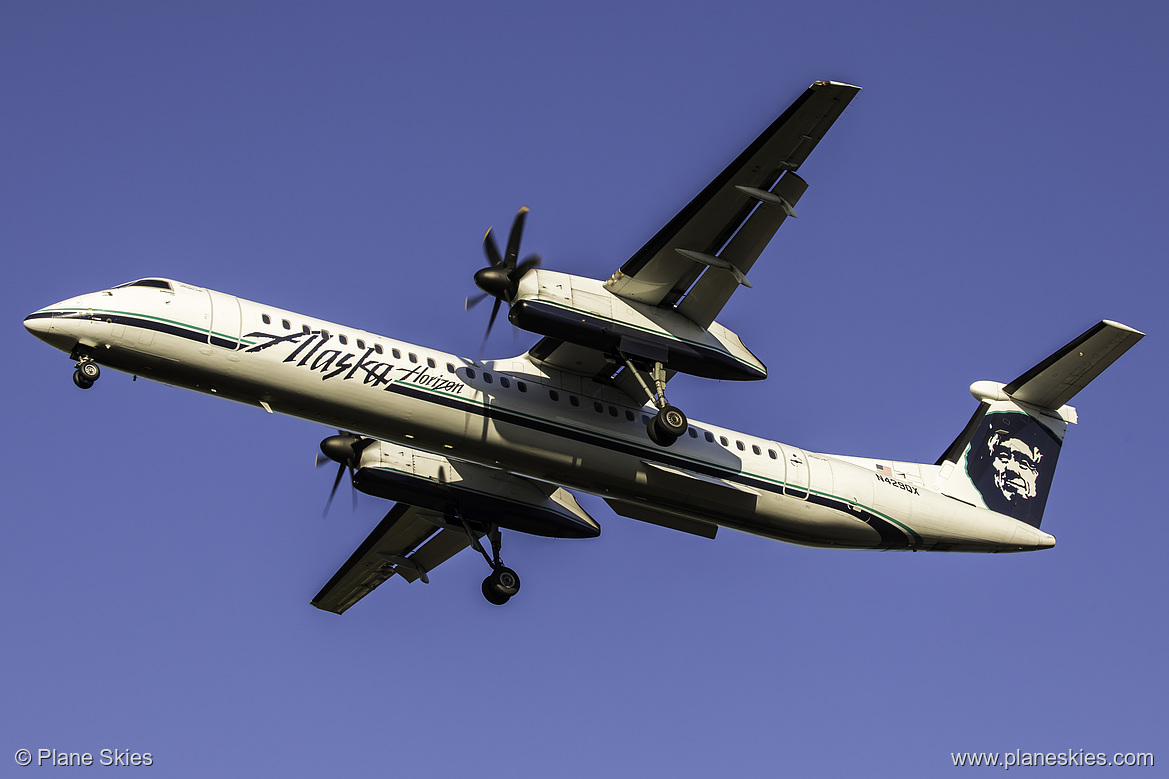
x,y
89,370
671,421
80,380
493,595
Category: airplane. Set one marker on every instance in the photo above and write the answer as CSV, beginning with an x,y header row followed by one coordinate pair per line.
x,y
467,448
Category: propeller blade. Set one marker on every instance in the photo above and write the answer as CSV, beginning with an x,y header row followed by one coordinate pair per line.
x,y
352,491
490,324
513,239
333,492
492,250
474,300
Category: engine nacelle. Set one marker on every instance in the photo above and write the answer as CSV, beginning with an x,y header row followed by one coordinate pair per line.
x,y
581,311
482,495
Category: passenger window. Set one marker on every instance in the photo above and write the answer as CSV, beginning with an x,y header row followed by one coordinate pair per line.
x,y
450,368
324,335
599,408
771,453
629,415
755,449
377,348
554,394
267,319
722,439
740,447
286,323
612,411
521,386
470,373
486,377
430,361
693,433
305,328
574,400
360,344
709,437
413,357
503,382
396,353
343,339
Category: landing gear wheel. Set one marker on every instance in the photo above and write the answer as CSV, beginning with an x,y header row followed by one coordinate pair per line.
x,y
80,380
667,425
89,370
501,585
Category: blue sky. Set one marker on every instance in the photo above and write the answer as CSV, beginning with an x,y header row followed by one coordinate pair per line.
x,y
997,188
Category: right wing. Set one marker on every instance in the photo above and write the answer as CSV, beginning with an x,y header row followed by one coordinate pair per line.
x,y
403,543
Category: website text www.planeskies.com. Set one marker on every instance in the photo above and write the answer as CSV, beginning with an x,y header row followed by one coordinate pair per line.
x,y
1069,757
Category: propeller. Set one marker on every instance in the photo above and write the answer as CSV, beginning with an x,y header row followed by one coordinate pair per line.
x,y
344,448
501,278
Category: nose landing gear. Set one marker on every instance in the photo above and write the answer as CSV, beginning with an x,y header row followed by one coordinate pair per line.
x,y
87,372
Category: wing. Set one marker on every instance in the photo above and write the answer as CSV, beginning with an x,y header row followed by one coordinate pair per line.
x,y
403,543
696,262
702,255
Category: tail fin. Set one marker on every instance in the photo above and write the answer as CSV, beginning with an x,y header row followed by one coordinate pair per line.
x,y
1005,456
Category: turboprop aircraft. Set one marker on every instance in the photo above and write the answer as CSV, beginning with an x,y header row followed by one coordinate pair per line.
x,y
467,448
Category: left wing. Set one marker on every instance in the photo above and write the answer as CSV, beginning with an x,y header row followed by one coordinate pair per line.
x,y
721,233
696,262
403,543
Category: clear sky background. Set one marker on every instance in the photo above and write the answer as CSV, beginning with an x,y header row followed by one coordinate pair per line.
x,y
997,188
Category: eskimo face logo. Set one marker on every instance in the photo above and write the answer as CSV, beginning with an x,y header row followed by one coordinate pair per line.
x,y
1010,462
1015,465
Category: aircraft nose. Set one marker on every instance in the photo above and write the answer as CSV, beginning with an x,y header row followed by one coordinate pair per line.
x,y
38,323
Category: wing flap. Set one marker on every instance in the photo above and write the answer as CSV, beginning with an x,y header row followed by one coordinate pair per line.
x,y
403,543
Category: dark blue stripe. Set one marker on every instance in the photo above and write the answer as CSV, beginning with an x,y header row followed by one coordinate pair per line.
x,y
196,335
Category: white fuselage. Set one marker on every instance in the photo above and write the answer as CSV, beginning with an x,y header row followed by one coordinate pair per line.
x,y
510,414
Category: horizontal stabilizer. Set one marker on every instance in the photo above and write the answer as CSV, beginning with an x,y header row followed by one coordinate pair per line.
x,y
1053,382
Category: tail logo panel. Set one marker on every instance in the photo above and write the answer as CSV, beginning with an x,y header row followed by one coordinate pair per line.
x,y
1010,462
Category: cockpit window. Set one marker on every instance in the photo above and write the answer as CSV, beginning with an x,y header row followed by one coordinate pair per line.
x,y
155,283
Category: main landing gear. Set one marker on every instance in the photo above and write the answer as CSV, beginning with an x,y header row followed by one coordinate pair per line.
x,y
503,582
87,371
669,423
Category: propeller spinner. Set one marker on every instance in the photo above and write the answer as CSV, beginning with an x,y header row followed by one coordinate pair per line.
x,y
344,448
501,278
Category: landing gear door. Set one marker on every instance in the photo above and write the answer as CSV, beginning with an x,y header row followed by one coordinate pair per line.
x,y
224,329
796,480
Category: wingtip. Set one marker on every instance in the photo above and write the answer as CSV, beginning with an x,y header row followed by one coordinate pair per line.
x,y
836,84
1122,326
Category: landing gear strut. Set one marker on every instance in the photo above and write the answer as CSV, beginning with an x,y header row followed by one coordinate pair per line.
x,y
503,582
87,372
669,423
